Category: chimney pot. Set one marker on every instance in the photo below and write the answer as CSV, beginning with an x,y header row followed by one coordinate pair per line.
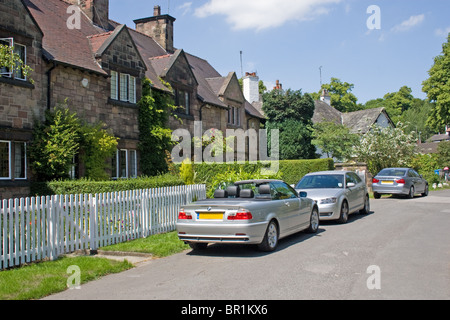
x,y
157,11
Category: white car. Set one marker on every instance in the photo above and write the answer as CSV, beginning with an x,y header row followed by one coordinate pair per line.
x,y
337,193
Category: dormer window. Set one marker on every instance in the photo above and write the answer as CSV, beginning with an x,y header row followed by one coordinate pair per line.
x,y
123,87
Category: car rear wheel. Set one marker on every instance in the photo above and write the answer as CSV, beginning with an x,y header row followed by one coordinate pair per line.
x,y
425,192
366,209
343,218
411,193
270,240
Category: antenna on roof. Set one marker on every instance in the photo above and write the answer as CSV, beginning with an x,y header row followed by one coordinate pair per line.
x,y
320,70
242,68
168,7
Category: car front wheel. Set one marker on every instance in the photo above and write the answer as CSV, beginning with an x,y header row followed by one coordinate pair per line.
x,y
313,221
343,218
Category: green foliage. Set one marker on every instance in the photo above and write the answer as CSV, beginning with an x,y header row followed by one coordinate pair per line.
x,y
335,140
437,88
291,171
291,112
386,147
444,154
55,143
224,179
425,164
85,186
341,95
98,145
295,139
398,102
11,60
187,173
154,135
61,137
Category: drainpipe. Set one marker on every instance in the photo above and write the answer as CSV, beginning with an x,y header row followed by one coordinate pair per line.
x,y
49,83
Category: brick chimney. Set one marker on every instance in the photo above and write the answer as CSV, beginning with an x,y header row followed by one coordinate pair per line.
x,y
325,97
159,27
278,85
96,10
251,87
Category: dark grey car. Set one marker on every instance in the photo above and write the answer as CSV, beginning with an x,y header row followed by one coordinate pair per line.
x,y
401,181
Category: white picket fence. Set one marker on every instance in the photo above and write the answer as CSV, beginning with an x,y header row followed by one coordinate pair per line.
x,y
37,228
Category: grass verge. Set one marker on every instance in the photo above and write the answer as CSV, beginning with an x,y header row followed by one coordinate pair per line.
x,y
38,280
159,245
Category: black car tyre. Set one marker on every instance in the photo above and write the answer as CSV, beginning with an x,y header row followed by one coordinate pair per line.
x,y
270,240
411,193
313,221
344,212
376,195
366,209
425,192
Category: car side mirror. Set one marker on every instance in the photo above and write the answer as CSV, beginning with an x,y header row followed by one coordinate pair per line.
x,y
350,185
302,194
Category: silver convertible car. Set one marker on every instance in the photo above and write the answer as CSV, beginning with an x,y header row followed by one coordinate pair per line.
x,y
250,212
337,193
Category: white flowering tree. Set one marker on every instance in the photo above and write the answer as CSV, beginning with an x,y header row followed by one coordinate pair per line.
x,y
386,147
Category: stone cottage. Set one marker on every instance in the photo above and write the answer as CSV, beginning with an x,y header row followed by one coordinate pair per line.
x,y
95,64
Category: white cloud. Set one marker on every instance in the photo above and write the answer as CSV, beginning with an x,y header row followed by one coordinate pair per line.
x,y
263,14
409,24
442,32
186,7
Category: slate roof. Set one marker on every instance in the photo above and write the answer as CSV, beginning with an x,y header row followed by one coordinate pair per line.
x,y
357,121
70,47
361,121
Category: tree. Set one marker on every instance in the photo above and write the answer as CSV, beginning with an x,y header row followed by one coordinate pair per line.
x,y
334,139
437,88
398,102
291,112
342,98
61,137
386,147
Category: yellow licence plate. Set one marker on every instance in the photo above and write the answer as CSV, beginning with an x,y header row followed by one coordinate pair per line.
x,y
210,216
387,182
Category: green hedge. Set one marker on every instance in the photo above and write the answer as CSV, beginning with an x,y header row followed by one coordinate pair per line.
x,y
291,170
84,186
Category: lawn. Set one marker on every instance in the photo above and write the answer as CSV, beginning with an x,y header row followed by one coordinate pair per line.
x,y
160,245
38,280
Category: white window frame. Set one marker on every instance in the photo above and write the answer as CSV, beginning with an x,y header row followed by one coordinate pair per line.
x,y
124,86
131,89
120,163
9,160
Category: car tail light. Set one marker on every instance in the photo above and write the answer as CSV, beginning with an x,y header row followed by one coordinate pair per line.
x,y
375,180
241,215
182,215
400,181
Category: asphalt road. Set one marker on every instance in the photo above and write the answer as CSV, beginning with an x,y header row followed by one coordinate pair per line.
x,y
401,250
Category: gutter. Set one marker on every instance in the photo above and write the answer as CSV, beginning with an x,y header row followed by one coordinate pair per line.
x,y
49,83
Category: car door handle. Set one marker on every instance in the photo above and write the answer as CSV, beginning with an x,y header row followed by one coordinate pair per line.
x,y
287,204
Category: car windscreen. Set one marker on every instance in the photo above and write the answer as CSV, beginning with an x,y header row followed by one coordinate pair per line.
x,y
327,181
392,173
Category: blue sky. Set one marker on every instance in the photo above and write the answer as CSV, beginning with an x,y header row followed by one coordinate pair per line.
x,y
289,40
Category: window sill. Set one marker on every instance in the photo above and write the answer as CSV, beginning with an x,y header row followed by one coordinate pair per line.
x,y
17,83
122,103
